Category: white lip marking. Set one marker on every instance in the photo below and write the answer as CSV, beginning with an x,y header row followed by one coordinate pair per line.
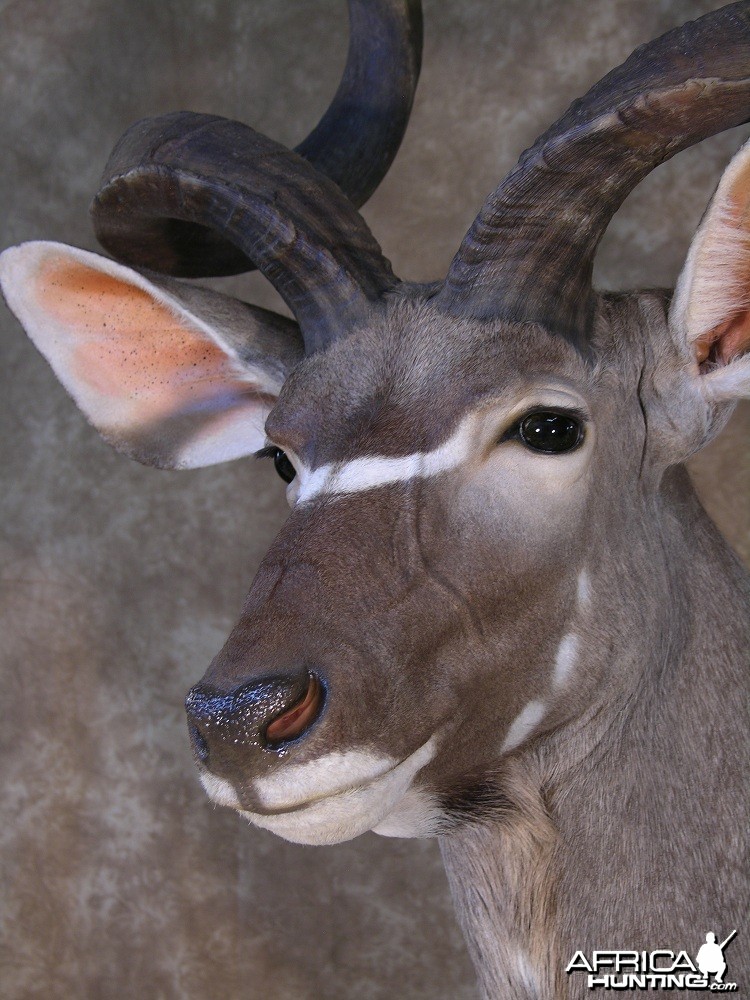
x,y
300,784
350,812
528,718
372,471
567,653
219,790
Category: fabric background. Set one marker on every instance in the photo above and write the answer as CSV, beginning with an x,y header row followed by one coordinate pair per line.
x,y
119,583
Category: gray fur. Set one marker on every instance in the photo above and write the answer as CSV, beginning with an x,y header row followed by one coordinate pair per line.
x,y
435,607
619,823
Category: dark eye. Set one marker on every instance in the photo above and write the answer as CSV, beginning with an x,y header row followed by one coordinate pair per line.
x,y
550,432
283,466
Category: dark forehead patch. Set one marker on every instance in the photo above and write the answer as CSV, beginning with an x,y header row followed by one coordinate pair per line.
x,y
403,385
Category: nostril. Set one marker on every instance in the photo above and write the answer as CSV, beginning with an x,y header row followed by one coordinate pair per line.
x,y
228,727
198,743
299,717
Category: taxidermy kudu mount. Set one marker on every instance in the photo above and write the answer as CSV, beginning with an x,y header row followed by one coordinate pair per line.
x,y
497,613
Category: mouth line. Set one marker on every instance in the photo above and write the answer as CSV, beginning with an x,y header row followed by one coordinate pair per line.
x,y
315,800
419,757
334,814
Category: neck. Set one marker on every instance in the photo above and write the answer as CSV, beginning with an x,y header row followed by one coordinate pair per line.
x,y
623,827
502,879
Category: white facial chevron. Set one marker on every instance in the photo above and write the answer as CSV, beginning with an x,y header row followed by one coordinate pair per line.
x,y
373,471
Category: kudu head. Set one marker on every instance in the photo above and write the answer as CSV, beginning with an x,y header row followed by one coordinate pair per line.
x,y
479,470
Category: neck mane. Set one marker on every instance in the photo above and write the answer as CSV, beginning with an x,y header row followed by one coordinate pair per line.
x,y
625,826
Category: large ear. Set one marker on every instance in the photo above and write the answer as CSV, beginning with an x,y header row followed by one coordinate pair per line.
x,y
172,374
710,313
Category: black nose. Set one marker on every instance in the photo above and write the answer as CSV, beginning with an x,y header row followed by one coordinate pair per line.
x,y
227,727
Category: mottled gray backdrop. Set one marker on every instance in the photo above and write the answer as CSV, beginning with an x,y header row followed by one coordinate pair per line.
x,y
119,583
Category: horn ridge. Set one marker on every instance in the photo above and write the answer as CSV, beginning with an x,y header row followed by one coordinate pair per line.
x,y
172,177
357,138
529,253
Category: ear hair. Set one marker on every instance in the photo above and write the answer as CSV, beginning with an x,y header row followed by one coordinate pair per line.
x,y
175,376
710,312
722,265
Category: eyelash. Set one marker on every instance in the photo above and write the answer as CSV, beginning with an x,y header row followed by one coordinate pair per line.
x,y
281,461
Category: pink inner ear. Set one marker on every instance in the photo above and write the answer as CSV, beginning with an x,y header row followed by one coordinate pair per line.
x,y
739,198
726,342
123,345
731,339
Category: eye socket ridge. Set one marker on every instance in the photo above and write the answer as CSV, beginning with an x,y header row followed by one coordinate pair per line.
x,y
281,461
548,430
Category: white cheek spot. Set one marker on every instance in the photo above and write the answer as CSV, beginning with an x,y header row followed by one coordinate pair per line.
x,y
331,774
219,790
584,589
417,815
565,659
525,722
527,974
